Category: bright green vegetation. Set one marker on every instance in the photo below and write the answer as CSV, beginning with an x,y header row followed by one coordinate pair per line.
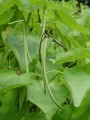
x,y
44,60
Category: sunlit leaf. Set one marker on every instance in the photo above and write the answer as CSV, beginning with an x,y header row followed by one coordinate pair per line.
x,y
9,79
68,20
4,18
72,55
5,5
15,42
78,83
35,93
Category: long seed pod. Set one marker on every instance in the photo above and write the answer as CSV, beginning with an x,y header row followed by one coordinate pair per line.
x,y
43,61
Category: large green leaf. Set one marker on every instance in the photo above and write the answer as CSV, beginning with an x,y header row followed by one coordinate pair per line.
x,y
16,45
35,93
0,60
65,18
82,19
35,116
15,42
7,102
5,5
83,111
9,79
38,3
5,17
33,44
60,115
66,40
78,82
72,55
26,4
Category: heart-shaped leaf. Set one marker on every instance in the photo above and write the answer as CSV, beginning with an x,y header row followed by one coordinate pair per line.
x,y
9,79
78,82
35,93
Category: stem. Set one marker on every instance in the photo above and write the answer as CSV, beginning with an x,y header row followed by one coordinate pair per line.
x,y
29,56
16,22
43,61
25,32
60,44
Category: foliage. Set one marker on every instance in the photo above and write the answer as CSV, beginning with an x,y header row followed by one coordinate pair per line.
x,y
44,60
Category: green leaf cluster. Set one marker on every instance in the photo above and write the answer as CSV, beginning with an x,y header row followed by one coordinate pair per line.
x,y
44,60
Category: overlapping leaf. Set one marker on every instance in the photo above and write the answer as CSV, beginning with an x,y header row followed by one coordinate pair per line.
x,y
4,18
15,42
65,18
35,116
9,79
6,5
78,82
26,4
36,95
38,3
72,55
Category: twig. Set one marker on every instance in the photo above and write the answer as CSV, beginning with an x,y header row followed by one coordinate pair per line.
x,y
60,44
25,32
